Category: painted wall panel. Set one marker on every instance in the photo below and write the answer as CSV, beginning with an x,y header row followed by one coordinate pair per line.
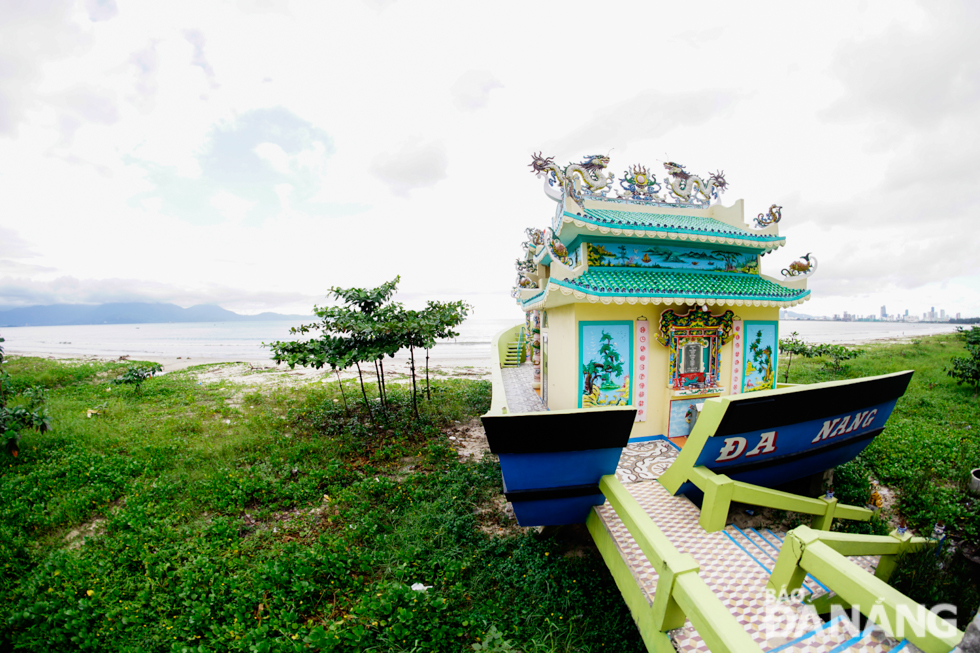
x,y
605,363
760,355
670,257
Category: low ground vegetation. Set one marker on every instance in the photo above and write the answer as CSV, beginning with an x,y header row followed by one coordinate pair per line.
x,y
200,518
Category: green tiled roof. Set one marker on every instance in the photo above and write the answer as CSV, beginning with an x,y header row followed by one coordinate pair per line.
x,y
692,224
672,283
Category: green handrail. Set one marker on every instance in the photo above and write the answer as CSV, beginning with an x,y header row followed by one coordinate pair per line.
x,y
681,593
720,491
821,554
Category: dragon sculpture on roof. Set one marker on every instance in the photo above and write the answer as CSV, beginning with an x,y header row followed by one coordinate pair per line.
x,y
573,178
691,188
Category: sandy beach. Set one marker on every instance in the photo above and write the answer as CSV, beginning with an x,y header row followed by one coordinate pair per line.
x,y
258,371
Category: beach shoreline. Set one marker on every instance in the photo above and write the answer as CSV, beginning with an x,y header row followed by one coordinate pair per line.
x,y
261,370
238,350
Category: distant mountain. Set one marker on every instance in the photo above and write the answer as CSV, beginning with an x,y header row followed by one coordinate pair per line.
x,y
789,315
128,313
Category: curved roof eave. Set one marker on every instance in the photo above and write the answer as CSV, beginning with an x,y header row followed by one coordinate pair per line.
x,y
768,243
576,296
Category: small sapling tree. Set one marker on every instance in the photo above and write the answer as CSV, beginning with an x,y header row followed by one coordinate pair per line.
x,y
135,376
967,369
19,411
794,345
836,355
366,328
358,331
440,320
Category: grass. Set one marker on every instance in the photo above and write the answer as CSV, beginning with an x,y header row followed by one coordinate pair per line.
x,y
223,519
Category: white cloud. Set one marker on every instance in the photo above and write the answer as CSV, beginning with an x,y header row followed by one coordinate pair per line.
x,y
415,164
275,156
14,246
231,206
15,292
922,75
32,34
646,115
347,143
196,38
99,10
472,90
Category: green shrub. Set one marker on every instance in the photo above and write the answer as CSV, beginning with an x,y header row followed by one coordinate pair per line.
x,y
967,369
937,576
836,355
136,376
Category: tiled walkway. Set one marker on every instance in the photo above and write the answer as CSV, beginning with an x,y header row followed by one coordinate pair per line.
x,y
521,397
735,564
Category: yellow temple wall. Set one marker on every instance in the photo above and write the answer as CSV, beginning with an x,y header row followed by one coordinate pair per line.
x,y
563,355
562,333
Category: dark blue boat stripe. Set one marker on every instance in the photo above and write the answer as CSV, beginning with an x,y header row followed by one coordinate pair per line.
x,y
808,635
549,493
769,571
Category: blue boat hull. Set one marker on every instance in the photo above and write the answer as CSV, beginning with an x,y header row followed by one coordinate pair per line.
x,y
551,462
782,436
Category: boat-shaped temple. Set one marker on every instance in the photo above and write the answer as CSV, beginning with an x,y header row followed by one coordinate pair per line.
x,y
640,396
651,298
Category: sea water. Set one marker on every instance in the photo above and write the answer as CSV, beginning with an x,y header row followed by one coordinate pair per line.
x,y
231,341
227,341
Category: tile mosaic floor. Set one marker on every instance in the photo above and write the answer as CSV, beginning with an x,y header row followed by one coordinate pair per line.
x,y
521,397
645,461
735,564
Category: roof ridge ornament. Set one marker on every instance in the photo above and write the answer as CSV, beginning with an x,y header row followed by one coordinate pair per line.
x,y
772,216
589,179
801,269
639,184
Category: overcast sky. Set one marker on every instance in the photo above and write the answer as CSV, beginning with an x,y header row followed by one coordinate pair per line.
x,y
254,153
